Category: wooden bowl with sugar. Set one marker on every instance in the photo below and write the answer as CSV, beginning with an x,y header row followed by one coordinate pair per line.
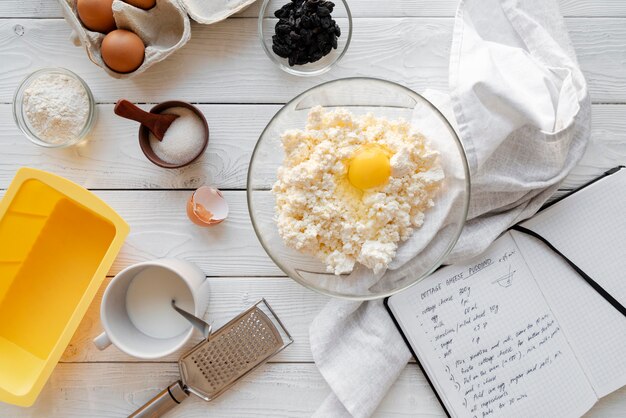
x,y
146,145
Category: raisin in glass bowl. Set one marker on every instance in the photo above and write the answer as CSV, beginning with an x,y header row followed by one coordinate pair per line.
x,y
308,32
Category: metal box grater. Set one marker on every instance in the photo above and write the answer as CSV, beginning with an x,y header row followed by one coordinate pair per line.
x,y
214,365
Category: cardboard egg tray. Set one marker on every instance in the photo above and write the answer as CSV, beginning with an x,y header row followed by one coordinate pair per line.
x,y
164,28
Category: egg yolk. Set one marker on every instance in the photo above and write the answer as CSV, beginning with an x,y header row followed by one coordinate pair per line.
x,y
369,167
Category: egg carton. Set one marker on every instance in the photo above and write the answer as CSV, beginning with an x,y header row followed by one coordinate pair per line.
x,y
164,28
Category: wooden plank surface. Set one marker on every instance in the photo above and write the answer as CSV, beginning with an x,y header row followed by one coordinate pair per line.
x,y
359,8
224,68
224,63
111,159
160,229
112,390
607,145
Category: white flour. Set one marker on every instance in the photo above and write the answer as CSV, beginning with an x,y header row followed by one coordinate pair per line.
x,y
56,107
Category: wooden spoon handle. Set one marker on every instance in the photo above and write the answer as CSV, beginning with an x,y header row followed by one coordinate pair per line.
x,y
128,110
156,123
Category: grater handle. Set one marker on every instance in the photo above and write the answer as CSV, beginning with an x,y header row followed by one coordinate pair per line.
x,y
163,402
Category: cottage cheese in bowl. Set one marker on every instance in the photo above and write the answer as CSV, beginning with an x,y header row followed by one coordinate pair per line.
x,y
357,189
325,210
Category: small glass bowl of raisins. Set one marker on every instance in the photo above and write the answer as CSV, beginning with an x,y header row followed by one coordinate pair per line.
x,y
305,37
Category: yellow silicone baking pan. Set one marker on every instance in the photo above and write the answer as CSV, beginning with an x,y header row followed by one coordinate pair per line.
x,y
57,243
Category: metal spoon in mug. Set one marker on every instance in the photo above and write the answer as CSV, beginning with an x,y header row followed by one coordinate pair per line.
x,y
198,323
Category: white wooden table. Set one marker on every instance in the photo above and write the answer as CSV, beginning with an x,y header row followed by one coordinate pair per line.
x,y
224,69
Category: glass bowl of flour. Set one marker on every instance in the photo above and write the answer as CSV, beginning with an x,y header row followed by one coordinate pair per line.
x,y
54,108
358,188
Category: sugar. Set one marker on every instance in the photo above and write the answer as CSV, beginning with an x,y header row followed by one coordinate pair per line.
x,y
183,140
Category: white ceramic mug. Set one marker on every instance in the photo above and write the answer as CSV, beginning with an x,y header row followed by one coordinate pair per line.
x,y
119,329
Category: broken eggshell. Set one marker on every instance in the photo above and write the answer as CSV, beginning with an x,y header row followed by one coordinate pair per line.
x,y
207,206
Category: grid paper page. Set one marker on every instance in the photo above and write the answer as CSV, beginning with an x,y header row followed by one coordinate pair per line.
x,y
589,228
489,341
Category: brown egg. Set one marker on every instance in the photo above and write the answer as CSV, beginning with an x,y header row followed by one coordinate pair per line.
x,y
122,51
142,4
96,15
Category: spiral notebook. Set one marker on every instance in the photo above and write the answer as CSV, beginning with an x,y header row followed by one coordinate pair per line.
x,y
525,328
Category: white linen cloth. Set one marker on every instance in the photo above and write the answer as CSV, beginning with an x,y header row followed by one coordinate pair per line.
x,y
522,111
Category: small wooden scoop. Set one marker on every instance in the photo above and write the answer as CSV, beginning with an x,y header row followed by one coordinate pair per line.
x,y
156,123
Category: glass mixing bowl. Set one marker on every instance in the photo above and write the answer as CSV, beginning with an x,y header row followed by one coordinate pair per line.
x,y
267,22
429,245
